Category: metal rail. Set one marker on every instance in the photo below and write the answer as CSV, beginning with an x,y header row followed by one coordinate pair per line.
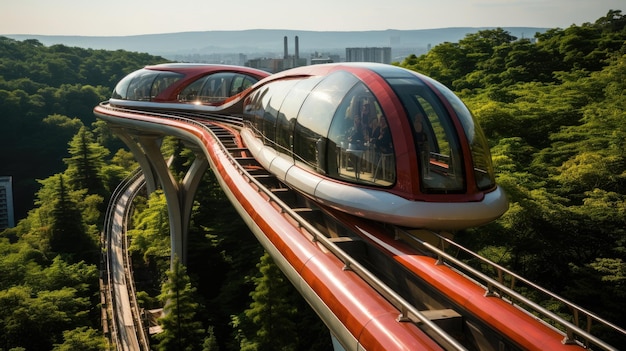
x,y
115,337
573,331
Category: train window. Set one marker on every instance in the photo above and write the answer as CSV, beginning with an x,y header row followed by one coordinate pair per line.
x,y
481,156
290,108
360,147
253,110
121,89
141,85
215,88
435,137
271,103
282,126
163,81
240,83
144,85
315,117
191,92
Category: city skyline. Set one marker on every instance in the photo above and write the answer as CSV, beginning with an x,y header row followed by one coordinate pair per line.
x,y
74,17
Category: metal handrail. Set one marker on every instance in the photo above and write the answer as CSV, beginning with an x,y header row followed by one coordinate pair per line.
x,y
496,287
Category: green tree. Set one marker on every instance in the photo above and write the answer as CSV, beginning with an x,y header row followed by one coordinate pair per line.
x,y
272,313
86,160
210,341
35,320
83,339
150,237
180,329
68,234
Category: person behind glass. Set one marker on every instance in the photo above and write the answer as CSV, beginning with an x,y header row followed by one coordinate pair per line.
x,y
381,137
356,144
368,117
356,134
421,144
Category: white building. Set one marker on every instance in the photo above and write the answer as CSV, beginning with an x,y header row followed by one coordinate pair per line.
x,y
374,54
6,203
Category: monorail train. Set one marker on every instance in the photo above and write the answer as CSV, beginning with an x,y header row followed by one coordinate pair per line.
x,y
374,140
377,141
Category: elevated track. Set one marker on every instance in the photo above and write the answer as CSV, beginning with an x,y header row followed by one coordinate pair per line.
x,y
376,286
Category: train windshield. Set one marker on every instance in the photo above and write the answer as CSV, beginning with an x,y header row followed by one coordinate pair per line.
x,y
144,85
481,156
438,150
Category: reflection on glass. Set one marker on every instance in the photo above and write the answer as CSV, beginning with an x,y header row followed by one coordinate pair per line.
x,y
435,137
362,144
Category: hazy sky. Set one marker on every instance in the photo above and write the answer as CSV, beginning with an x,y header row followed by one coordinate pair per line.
x,y
131,17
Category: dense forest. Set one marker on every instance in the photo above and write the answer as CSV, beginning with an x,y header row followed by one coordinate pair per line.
x,y
554,110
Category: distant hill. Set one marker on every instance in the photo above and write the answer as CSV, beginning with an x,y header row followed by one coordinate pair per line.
x,y
268,42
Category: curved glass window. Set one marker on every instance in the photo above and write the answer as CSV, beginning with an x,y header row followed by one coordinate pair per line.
x,y
284,123
359,140
253,110
315,117
261,111
120,90
481,156
215,87
314,120
435,137
144,85
289,110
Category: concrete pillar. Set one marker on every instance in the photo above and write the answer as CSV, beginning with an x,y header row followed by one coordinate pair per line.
x,y
170,188
188,190
140,156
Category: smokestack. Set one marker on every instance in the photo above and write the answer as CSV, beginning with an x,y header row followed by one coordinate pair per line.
x,y
297,54
286,55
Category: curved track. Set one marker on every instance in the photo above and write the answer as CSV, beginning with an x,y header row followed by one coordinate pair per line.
x,y
377,287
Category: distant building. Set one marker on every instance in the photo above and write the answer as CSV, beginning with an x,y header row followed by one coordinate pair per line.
x,y
319,58
380,55
276,65
6,203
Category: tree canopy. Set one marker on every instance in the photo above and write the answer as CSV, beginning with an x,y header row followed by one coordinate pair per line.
x,y
554,111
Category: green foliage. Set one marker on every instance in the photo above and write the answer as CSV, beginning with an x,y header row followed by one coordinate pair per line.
x,y
85,164
210,342
82,338
181,331
150,236
48,276
278,315
44,93
34,320
271,314
554,111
